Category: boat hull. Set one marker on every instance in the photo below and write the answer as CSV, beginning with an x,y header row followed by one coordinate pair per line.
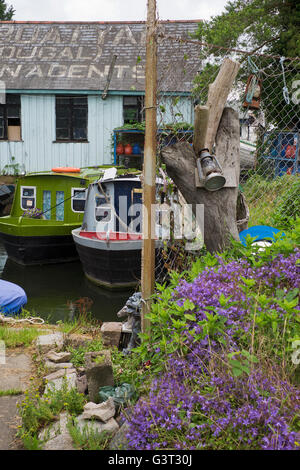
x,y
115,265
34,250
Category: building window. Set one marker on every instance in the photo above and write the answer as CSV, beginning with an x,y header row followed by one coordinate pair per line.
x,y
28,197
71,118
78,199
10,118
133,109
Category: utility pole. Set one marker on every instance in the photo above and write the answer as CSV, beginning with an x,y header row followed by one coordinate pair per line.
x,y
149,173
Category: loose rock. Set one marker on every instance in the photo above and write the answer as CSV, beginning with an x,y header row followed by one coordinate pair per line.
x,y
111,334
99,372
103,412
46,343
111,427
58,358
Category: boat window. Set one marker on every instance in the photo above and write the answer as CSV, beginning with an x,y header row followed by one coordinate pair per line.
x,y
47,204
78,199
28,197
60,205
102,210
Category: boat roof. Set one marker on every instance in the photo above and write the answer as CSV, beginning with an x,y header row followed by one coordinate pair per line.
x,y
94,172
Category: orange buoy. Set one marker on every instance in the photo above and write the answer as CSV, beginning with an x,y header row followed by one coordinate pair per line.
x,y
66,170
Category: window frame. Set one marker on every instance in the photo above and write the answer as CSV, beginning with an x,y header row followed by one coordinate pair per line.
x,y
28,197
71,118
5,106
78,199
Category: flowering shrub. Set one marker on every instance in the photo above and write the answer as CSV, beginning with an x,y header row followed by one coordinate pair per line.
x,y
221,345
33,213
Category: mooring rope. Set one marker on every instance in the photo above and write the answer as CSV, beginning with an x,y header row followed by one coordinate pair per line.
x,y
13,321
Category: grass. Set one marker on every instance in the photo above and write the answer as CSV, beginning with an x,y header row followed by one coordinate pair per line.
x,y
14,338
10,393
272,202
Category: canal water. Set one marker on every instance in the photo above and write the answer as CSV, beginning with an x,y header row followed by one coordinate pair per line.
x,y
60,291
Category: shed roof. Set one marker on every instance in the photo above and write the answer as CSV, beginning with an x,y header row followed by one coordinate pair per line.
x,y
77,55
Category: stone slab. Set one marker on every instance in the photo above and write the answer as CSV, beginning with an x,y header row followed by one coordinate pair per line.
x,y
46,343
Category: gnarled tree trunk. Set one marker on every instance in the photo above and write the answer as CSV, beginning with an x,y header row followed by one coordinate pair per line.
x,y
220,207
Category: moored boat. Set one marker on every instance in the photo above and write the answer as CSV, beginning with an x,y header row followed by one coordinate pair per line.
x,y
110,253
46,208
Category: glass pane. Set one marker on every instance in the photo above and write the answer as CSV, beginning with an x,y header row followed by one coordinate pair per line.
x,y
60,203
79,194
82,100
28,203
79,134
63,134
62,122
15,99
79,112
27,192
78,205
13,111
63,111
130,100
47,204
62,100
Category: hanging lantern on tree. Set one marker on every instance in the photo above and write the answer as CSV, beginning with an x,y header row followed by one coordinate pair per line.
x,y
253,93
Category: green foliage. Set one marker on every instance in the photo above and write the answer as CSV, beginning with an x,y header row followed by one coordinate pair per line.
x,y
88,439
275,202
36,411
10,393
268,26
77,354
6,12
12,169
15,338
241,362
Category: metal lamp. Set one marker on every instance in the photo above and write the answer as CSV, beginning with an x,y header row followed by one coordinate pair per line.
x,y
210,171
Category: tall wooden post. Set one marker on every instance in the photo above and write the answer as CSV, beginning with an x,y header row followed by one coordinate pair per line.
x,y
149,175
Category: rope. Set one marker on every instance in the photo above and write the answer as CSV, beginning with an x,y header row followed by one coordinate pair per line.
x,y
13,321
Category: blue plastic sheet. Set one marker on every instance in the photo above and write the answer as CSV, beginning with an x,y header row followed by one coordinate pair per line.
x,y
260,233
12,298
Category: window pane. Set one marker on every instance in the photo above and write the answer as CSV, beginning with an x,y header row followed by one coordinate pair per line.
x,y
130,100
80,101
28,203
13,111
63,134
79,113
47,204
14,99
27,192
60,203
78,200
62,122
62,100
79,134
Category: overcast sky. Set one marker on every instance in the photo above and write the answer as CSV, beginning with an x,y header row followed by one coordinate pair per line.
x,y
113,10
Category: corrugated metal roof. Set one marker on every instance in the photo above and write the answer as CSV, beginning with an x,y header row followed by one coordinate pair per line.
x,y
77,55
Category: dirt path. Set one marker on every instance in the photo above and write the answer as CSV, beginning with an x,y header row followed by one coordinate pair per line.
x,y
14,374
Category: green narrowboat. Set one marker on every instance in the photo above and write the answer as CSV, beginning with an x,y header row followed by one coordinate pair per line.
x,y
47,206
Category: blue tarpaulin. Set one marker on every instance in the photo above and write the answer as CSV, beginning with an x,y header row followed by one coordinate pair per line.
x,y
12,298
260,233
